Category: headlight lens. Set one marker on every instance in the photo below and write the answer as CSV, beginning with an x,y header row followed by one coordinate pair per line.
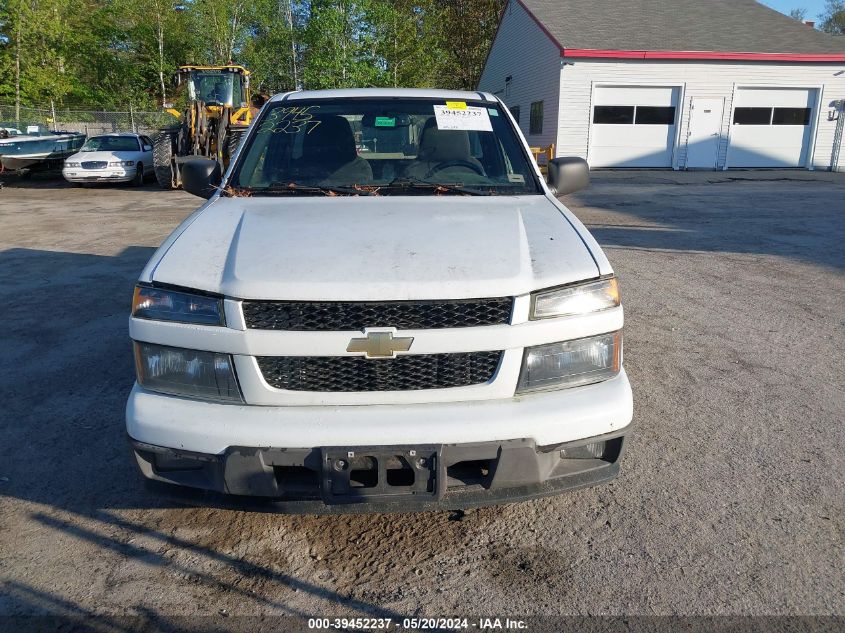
x,y
571,363
122,163
187,372
581,299
170,305
71,164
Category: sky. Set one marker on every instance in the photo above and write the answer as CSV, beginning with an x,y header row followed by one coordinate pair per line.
x,y
814,7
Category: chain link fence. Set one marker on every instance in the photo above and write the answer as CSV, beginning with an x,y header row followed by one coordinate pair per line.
x,y
90,122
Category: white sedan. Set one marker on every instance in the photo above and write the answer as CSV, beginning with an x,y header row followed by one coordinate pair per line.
x,y
111,158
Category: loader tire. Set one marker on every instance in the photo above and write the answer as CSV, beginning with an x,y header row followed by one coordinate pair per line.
x,y
163,159
232,142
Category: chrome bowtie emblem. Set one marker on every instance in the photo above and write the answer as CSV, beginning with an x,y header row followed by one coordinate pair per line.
x,y
380,345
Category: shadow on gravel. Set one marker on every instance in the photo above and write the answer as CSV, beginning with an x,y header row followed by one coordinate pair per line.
x,y
796,220
66,375
37,611
106,521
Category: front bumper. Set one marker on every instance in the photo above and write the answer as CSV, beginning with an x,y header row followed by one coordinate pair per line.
x,y
547,418
119,174
278,453
456,476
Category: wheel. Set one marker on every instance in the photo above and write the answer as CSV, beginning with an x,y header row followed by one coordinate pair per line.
x,y
138,180
232,142
163,159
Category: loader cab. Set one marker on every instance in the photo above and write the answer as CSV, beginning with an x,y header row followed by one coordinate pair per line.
x,y
223,86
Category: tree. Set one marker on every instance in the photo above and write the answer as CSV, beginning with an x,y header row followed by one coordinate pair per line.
x,y
110,53
42,36
148,40
223,25
799,14
406,42
833,18
273,49
467,28
339,45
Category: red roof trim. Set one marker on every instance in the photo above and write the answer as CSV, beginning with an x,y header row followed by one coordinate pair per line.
x,y
709,55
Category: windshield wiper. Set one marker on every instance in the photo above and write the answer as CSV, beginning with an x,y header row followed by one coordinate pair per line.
x,y
403,182
292,188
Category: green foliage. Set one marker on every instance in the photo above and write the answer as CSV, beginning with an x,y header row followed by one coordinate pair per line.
x,y
339,45
833,18
467,29
112,53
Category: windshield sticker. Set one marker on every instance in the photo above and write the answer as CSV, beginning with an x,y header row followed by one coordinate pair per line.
x,y
492,112
290,120
385,121
456,105
516,178
472,118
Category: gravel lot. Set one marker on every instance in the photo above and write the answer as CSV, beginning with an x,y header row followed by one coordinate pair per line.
x,y
730,499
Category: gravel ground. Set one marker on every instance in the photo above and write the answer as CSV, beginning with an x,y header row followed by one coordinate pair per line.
x,y
730,499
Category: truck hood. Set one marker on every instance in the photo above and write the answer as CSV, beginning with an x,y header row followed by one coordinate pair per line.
x,y
376,248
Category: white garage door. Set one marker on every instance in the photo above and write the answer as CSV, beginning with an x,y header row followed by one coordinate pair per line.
x,y
771,127
633,126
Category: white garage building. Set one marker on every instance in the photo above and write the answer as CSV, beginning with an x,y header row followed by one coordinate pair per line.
x,y
686,84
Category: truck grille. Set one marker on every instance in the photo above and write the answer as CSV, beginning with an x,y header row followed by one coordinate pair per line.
x,y
94,164
356,373
407,315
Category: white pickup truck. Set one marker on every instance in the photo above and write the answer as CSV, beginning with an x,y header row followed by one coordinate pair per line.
x,y
382,305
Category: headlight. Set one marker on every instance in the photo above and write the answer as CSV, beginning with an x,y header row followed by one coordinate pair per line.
x,y
72,164
187,372
122,163
571,363
170,305
581,299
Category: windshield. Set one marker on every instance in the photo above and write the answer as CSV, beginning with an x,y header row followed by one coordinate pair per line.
x,y
111,144
215,87
383,147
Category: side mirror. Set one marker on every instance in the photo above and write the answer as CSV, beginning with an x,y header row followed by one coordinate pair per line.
x,y
567,175
201,176
148,148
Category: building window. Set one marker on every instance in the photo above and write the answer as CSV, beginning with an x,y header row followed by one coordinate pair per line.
x,y
655,115
628,115
613,115
515,113
772,116
752,116
536,126
791,116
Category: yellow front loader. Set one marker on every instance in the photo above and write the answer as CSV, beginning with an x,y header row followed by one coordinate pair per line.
x,y
217,114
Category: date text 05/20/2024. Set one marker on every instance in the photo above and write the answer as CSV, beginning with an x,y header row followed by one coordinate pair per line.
x,y
417,624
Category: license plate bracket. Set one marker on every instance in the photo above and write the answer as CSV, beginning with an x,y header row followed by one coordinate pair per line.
x,y
355,474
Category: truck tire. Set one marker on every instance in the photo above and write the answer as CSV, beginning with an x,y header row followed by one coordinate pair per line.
x,y
138,180
163,159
